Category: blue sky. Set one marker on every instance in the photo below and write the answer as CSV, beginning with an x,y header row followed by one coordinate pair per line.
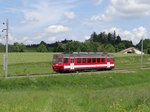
x,y
31,21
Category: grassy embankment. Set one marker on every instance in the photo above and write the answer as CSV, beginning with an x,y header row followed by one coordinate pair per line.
x,y
106,92
40,63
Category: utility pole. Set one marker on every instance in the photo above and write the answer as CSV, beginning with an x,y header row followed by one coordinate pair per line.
x,y
6,50
142,53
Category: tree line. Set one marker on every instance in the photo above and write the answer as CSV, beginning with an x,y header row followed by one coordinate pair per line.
x,y
102,42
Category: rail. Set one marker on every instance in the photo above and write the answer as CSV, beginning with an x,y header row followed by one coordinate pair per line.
x,y
77,73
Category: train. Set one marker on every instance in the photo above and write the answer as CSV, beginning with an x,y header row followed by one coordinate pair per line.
x,y
81,61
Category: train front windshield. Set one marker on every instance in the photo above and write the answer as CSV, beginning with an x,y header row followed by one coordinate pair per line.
x,y
57,60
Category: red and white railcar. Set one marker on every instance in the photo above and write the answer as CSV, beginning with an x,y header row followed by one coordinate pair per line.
x,y
82,61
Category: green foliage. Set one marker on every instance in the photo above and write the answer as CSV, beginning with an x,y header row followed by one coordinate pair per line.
x,y
18,47
118,39
109,48
121,46
146,45
42,47
2,48
92,46
61,47
100,40
105,38
127,43
111,41
148,50
95,43
75,46
94,37
72,46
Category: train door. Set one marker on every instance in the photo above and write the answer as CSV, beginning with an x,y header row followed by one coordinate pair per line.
x,y
108,62
72,63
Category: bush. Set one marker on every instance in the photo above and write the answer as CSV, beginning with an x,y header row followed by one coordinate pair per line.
x,y
110,48
42,48
148,51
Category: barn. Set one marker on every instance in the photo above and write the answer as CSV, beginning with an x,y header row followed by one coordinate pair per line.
x,y
131,50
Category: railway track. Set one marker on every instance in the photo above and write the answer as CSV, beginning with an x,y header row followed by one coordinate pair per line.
x,y
126,70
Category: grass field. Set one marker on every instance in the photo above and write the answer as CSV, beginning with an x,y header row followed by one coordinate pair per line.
x,y
103,92
27,63
40,63
106,92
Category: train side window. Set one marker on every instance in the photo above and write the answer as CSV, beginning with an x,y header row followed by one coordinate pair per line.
x,y
108,59
103,59
93,60
84,60
78,60
65,60
89,60
60,60
98,60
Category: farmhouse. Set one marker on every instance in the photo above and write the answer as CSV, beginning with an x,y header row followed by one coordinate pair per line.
x,y
131,50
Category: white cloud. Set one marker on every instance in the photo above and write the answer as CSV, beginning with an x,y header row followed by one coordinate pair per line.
x,y
25,40
124,9
51,39
2,39
134,35
100,18
41,13
29,42
87,37
10,9
12,39
131,8
69,15
57,29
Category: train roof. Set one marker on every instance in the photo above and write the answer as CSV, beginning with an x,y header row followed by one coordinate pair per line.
x,y
84,54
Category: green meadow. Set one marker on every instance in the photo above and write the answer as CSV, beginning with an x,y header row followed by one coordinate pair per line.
x,y
27,63
124,91
104,92
40,63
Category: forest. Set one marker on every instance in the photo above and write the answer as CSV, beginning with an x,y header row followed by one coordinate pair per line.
x,y
102,42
